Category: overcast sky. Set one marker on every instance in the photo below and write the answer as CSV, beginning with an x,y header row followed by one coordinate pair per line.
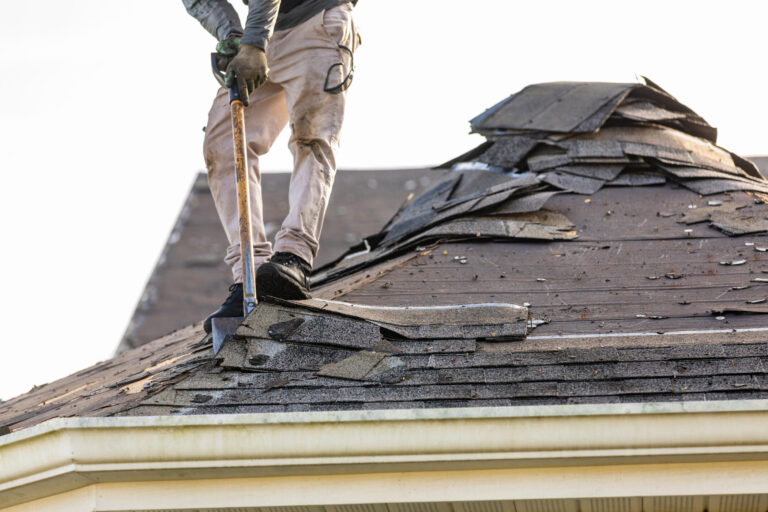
x,y
102,105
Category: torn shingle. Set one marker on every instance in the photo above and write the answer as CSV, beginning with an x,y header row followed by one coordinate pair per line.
x,y
486,193
509,150
573,183
638,178
708,187
740,225
281,331
721,212
647,111
420,211
683,172
471,201
275,356
550,158
572,107
555,107
391,369
660,153
336,331
524,204
597,171
489,320
747,308
578,148
534,225
667,144
747,166
436,346
355,367
366,366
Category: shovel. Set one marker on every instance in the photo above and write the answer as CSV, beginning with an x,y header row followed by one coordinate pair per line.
x,y
223,327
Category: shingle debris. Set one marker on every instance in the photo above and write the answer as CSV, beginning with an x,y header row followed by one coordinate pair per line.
x,y
505,321
114,386
367,366
456,378
357,342
619,134
567,137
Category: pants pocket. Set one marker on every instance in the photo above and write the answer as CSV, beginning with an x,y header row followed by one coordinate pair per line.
x,y
339,26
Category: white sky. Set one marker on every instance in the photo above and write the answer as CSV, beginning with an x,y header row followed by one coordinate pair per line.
x,y
102,105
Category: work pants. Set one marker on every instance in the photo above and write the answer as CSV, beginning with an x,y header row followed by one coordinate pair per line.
x,y
303,62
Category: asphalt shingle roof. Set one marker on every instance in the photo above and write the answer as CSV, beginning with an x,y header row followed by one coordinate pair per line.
x,y
635,247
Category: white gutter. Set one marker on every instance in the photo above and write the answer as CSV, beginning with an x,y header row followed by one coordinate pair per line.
x,y
538,452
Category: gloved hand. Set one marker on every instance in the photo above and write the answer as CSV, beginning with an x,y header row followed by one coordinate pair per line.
x,y
250,68
226,50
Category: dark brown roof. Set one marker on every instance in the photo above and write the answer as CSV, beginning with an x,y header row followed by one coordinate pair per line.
x,y
191,279
638,289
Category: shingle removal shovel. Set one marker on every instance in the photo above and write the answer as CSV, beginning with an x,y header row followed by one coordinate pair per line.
x,y
223,327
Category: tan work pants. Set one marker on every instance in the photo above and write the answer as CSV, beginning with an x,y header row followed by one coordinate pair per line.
x,y
303,61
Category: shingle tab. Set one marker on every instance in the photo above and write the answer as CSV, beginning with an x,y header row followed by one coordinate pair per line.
x,y
556,107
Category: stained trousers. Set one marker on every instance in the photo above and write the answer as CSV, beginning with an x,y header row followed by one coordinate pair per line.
x,y
304,62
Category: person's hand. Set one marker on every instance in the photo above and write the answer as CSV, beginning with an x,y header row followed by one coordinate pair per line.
x,y
226,50
250,69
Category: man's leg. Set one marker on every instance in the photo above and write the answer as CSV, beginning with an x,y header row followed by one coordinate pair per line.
x,y
308,61
265,117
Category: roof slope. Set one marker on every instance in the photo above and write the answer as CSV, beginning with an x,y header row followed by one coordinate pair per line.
x,y
636,287
111,386
637,265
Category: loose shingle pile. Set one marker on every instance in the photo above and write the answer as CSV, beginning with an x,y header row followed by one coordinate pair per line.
x,y
564,137
582,136
462,204
362,343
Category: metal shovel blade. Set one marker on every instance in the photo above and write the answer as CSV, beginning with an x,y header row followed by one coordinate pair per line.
x,y
223,328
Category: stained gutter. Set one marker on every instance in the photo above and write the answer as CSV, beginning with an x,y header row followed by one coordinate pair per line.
x,y
575,445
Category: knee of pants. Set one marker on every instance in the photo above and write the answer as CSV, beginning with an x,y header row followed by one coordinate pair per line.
x,y
256,144
318,116
219,157
318,149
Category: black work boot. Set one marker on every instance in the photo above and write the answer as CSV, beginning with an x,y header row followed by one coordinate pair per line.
x,y
285,276
232,307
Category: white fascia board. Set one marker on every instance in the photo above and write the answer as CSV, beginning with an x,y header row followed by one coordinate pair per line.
x,y
66,454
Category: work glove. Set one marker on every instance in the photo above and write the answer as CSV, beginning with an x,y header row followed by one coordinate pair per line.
x,y
226,51
250,69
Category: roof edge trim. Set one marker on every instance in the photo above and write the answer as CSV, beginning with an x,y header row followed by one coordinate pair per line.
x,y
68,454
532,411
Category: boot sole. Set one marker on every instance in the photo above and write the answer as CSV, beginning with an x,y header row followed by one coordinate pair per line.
x,y
271,282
